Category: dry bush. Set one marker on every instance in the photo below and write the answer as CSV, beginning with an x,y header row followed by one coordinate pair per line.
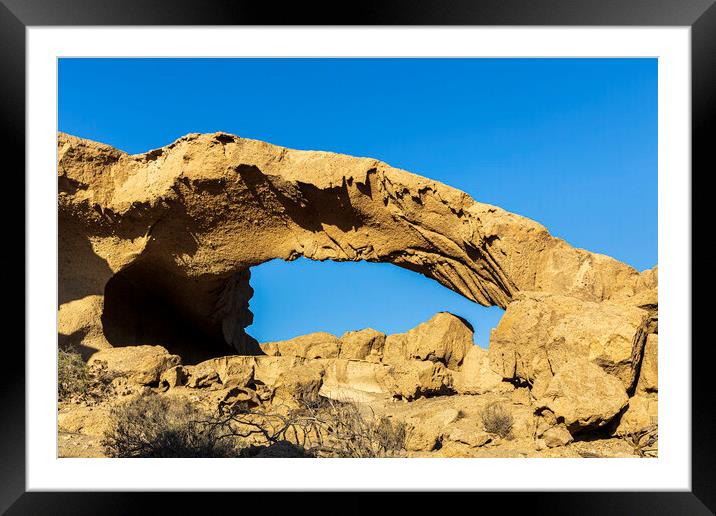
x,y
346,432
644,442
73,375
497,419
153,426
78,382
320,427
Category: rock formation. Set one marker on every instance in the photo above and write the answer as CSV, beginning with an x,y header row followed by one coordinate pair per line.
x,y
170,235
155,254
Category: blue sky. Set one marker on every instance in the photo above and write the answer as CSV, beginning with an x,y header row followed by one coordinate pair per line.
x,y
571,143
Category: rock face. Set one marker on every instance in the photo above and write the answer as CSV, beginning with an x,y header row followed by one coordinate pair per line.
x,y
162,242
355,380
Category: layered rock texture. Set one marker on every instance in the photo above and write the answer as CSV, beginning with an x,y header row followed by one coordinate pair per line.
x,y
155,249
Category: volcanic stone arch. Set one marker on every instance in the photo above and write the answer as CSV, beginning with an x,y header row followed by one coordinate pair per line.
x,y
177,229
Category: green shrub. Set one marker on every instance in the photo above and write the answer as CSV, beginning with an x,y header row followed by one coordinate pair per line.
x,y
496,419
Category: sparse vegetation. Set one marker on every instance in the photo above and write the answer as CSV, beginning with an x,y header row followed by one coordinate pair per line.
x,y
152,426
320,427
77,381
346,432
73,375
644,442
498,420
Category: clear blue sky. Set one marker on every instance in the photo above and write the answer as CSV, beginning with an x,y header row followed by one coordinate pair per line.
x,y
571,143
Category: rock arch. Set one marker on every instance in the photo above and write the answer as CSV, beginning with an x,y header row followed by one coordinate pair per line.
x,y
183,224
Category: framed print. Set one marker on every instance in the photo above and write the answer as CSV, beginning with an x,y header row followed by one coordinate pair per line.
x,y
421,249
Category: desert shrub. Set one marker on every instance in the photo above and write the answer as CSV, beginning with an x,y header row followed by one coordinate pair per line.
x,y
497,419
346,432
73,375
319,427
78,382
154,426
644,442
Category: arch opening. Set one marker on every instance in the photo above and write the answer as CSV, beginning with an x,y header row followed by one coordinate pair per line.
x,y
305,296
148,305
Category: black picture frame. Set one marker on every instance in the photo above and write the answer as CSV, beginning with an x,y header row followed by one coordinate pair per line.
x,y
17,15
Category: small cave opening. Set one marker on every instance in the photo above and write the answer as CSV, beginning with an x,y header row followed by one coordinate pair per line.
x,y
304,296
142,307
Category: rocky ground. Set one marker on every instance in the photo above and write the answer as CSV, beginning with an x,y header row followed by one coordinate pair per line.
x,y
432,379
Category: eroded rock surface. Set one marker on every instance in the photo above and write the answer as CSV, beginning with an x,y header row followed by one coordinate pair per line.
x,y
540,332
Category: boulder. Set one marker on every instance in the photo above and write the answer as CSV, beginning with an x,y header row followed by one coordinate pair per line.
x,y
421,436
312,345
173,377
77,325
641,414
425,428
540,333
581,395
202,375
267,369
468,433
475,375
230,371
649,371
557,436
298,384
241,397
364,344
142,365
445,338
523,426
411,379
